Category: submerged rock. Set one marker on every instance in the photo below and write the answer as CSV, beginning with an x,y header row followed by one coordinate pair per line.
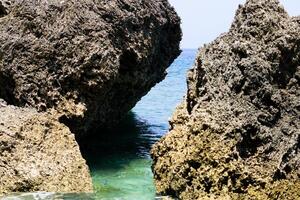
x,y
99,57
237,133
37,153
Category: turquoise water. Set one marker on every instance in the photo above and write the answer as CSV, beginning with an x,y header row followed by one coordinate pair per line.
x,y
119,160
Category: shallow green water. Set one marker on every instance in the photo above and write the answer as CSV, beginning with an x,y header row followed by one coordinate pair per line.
x,y
119,159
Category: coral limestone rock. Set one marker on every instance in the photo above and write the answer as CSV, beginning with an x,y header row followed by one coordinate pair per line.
x,y
100,55
37,153
76,63
237,133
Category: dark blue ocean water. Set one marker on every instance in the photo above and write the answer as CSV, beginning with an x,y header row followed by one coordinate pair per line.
x,y
119,160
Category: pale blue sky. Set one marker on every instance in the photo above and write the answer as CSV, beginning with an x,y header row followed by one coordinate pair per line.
x,y
204,20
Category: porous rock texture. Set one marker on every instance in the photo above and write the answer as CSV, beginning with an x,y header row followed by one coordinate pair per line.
x,y
72,66
237,133
37,153
99,57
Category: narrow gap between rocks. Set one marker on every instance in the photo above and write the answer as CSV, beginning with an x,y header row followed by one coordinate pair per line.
x,y
119,158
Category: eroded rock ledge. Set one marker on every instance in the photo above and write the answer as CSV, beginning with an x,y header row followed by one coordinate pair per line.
x,y
237,133
102,55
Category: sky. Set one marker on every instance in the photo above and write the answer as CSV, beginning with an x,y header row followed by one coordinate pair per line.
x,y
204,20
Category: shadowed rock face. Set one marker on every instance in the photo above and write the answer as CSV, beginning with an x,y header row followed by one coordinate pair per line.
x,y
97,57
237,133
37,153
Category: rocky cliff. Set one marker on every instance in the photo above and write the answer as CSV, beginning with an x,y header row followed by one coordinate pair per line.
x,y
98,58
237,133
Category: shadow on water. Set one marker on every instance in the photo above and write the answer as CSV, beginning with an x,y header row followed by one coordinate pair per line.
x,y
132,138
119,159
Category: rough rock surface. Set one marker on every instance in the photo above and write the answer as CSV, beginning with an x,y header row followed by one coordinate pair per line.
x,y
98,56
37,153
237,133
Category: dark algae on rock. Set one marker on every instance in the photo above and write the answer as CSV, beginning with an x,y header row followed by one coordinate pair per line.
x,y
71,66
98,57
237,133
